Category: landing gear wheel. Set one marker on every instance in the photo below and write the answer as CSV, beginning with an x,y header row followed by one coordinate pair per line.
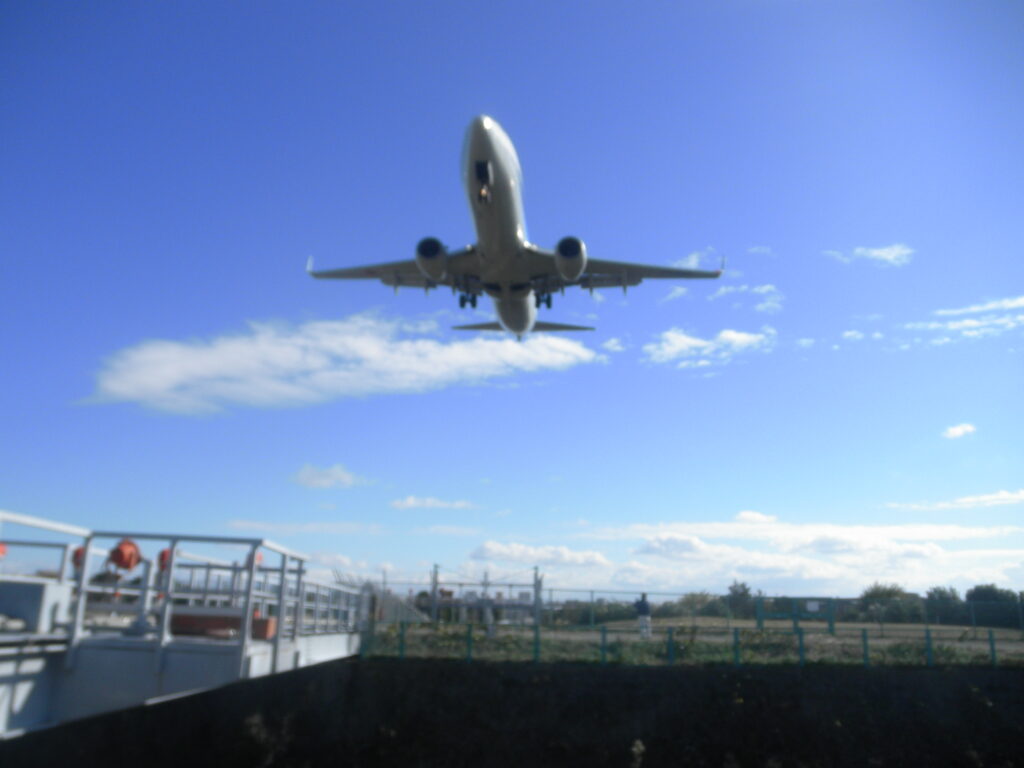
x,y
472,301
547,301
462,301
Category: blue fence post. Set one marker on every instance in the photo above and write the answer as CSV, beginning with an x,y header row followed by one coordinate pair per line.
x,y
536,642
992,647
800,644
401,640
591,607
671,649
469,642
604,644
974,620
832,616
736,647
864,645
928,655
759,606
795,606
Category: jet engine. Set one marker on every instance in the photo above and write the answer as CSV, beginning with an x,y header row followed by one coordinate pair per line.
x,y
432,258
570,258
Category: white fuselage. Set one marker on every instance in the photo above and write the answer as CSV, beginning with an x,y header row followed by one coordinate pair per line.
x,y
494,181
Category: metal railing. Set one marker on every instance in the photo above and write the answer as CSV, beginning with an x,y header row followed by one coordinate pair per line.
x,y
668,644
103,601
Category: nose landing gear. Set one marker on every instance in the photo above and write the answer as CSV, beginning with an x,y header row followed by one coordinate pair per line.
x,y
542,300
467,298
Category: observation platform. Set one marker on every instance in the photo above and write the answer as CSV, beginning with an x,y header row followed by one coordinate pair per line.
x,y
96,621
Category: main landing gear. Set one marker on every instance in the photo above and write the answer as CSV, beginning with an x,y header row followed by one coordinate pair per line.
x,y
542,300
467,298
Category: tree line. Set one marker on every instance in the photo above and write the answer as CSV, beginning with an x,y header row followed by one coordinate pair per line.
x,y
983,604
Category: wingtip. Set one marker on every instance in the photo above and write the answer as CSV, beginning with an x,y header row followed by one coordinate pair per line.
x,y
309,265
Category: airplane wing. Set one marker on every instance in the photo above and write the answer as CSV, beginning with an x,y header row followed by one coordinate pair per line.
x,y
604,274
460,264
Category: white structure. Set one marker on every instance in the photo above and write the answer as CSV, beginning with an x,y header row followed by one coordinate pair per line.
x,y
82,638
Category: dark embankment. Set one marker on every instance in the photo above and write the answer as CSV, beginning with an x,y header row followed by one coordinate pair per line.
x,y
422,713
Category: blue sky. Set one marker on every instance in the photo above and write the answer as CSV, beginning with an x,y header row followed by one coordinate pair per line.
x,y
842,407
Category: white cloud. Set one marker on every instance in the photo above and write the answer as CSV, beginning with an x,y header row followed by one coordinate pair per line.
x,y
853,335
967,327
693,260
676,293
675,345
760,249
543,555
991,306
292,528
792,535
997,499
770,297
277,364
895,255
451,530
816,557
805,343
335,476
613,345
959,430
750,516
429,502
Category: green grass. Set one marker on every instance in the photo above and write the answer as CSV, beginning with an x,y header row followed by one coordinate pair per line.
x,y
690,645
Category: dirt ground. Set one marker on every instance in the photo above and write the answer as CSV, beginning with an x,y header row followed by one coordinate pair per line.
x,y
384,712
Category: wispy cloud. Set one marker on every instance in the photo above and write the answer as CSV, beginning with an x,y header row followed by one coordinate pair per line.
x,y
613,345
429,502
677,346
999,305
693,259
450,530
280,365
293,528
853,335
335,476
959,430
543,555
769,298
750,516
676,293
997,499
895,255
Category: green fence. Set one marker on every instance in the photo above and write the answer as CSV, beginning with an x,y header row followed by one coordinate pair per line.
x,y
681,644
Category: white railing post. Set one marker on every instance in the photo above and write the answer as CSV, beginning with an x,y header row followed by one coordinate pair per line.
x,y
77,627
282,611
247,609
165,609
300,602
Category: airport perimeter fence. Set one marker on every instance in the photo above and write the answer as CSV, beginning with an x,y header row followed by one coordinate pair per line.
x,y
698,628
670,645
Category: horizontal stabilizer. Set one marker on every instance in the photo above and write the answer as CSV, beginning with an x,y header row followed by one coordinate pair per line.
x,y
478,327
541,326
538,326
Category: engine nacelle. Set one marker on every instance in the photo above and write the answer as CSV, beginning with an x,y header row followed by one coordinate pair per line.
x,y
432,258
570,258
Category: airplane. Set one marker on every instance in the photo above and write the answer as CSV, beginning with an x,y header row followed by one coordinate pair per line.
x,y
519,276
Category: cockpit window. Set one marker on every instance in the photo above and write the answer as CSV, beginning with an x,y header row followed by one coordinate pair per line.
x,y
483,171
